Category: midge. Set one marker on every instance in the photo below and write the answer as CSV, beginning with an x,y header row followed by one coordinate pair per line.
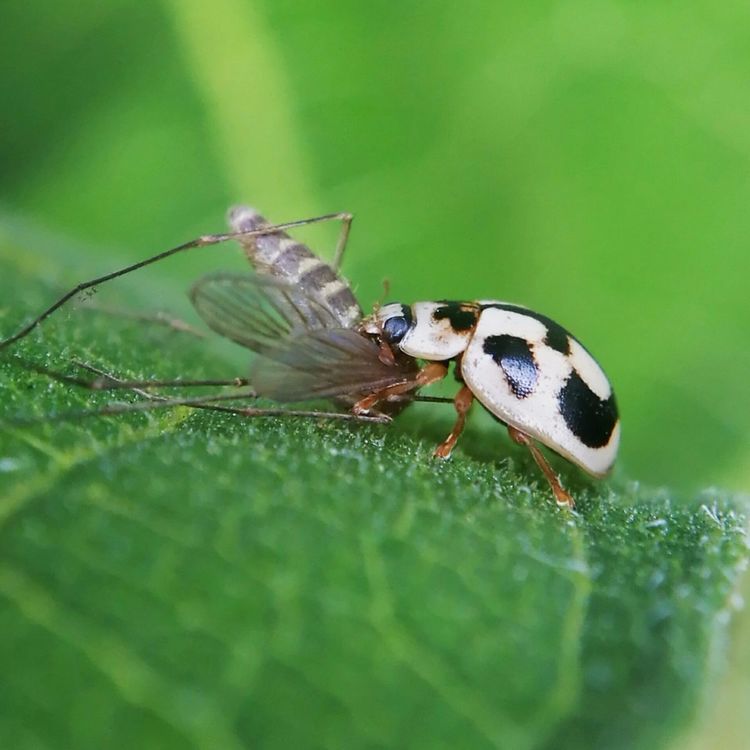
x,y
302,317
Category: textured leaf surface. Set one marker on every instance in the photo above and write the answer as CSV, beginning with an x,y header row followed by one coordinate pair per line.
x,y
190,580
185,579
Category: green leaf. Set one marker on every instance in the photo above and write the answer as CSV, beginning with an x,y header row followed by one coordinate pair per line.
x,y
180,579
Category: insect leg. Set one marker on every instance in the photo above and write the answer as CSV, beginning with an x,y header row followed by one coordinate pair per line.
x,y
463,401
202,402
282,412
107,382
425,399
125,408
203,241
562,496
430,373
106,378
346,225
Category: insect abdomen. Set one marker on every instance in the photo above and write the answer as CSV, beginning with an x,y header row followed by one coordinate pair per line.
x,y
277,254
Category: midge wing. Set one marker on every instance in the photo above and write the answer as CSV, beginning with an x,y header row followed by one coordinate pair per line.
x,y
256,311
306,352
324,364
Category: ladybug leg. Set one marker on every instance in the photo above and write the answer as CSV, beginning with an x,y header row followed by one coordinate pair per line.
x,y
430,373
463,401
562,496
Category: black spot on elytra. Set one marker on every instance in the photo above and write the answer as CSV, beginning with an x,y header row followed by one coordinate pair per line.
x,y
514,357
458,314
588,417
557,337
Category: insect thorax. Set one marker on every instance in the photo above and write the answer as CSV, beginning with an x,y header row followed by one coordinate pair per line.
x,y
434,331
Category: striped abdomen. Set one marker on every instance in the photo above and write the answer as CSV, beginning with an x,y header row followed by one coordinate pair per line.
x,y
278,255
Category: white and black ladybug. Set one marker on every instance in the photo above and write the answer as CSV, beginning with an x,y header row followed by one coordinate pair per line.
x,y
524,368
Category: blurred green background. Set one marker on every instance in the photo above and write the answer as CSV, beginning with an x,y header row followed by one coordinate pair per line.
x,y
588,159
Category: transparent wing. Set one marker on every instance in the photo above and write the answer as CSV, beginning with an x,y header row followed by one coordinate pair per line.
x,y
306,352
257,312
326,363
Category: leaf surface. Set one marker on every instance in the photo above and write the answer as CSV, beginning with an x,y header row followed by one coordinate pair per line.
x,y
182,579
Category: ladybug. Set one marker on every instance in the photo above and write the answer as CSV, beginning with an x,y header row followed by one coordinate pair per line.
x,y
524,368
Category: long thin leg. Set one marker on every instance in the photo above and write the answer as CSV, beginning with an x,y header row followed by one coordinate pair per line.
x,y
425,399
204,402
105,377
463,401
125,408
108,382
313,414
562,496
430,373
203,241
346,225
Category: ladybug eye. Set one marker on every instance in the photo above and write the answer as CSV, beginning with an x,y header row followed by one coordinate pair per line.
x,y
394,329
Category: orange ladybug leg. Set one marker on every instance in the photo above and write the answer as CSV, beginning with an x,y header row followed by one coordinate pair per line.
x,y
430,373
463,401
562,496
